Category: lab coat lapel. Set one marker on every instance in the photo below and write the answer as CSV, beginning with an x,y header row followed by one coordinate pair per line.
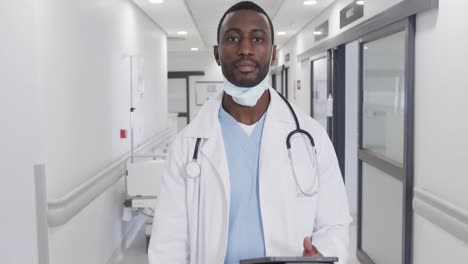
x,y
206,125
274,173
215,153
278,123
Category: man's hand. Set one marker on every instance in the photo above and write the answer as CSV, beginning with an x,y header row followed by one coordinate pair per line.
x,y
309,249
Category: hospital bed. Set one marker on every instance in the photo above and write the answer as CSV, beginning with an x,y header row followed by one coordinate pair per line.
x,y
143,183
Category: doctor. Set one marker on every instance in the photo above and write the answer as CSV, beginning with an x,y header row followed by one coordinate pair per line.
x,y
232,188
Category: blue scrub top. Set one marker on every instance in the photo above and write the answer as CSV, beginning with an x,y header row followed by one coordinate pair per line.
x,y
245,235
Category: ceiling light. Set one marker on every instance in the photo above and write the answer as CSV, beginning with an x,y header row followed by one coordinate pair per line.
x,y
182,33
310,2
360,2
318,33
194,49
281,33
156,1
365,47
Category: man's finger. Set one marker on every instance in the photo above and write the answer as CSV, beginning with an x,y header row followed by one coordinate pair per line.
x,y
309,249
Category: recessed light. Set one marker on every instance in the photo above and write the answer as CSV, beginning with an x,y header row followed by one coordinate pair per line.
x,y
318,33
360,2
182,33
310,2
156,1
365,47
194,49
281,33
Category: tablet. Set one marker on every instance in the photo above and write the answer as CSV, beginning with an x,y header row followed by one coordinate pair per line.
x,y
287,260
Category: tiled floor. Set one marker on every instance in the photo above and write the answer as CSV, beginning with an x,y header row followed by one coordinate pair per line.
x,y
136,254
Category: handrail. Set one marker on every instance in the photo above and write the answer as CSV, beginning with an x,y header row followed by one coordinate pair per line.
x,y
442,213
61,210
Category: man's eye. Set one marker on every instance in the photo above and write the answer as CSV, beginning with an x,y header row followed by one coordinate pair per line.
x,y
257,39
233,39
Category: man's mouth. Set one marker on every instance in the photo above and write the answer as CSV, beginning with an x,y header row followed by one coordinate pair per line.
x,y
246,66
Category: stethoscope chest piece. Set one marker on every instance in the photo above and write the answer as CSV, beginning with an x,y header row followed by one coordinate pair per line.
x,y
193,169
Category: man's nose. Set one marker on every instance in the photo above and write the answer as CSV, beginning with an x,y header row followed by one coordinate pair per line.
x,y
245,47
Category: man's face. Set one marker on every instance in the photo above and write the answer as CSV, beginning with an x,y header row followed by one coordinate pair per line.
x,y
245,48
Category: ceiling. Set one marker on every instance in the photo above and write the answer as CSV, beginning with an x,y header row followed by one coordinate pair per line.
x,y
200,18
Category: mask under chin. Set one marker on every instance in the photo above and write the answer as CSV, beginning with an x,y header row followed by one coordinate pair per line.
x,y
246,96
246,82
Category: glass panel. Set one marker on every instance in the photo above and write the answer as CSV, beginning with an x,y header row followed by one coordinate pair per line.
x,y
177,95
382,216
384,96
320,91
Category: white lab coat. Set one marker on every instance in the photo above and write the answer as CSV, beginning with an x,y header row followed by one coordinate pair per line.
x,y
192,214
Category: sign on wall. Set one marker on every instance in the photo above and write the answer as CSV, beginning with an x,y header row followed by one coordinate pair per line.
x,y
351,13
321,31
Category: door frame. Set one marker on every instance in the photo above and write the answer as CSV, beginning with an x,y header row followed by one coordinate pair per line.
x,y
185,75
337,127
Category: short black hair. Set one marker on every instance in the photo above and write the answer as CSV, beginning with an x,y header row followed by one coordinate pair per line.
x,y
246,5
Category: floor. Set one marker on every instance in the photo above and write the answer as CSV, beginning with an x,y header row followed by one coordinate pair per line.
x,y
136,254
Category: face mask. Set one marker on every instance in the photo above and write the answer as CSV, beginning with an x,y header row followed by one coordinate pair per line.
x,y
246,96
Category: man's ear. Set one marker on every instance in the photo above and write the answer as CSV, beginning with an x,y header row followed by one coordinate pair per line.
x,y
273,55
216,54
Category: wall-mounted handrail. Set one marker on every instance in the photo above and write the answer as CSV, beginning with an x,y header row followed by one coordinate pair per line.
x,y
444,214
61,210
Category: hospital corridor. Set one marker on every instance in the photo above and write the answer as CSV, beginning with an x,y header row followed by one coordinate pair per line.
x,y
233,132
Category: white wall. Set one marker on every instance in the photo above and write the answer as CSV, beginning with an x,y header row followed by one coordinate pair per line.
x,y
68,95
195,61
85,74
441,121
19,132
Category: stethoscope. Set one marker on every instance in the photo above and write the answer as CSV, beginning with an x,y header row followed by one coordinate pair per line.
x,y
193,169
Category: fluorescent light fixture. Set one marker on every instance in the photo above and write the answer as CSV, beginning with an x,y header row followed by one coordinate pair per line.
x,y
156,1
194,49
360,2
182,33
318,33
281,33
310,2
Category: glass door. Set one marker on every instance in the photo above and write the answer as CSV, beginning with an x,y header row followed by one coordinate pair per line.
x,y
319,90
386,145
178,100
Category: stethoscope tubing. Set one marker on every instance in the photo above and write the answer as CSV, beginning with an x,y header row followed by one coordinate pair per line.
x,y
298,130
